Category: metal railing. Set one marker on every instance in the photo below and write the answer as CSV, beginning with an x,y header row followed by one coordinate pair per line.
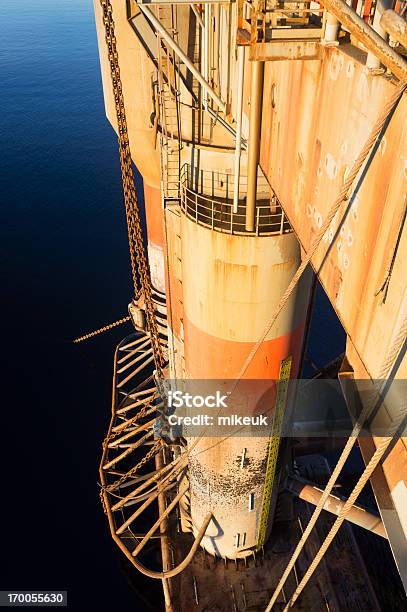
x,y
130,485
267,20
207,198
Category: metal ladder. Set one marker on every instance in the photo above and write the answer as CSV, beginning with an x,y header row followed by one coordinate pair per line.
x,y
168,92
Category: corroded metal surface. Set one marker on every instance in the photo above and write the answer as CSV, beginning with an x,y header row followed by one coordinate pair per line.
x,y
219,586
370,39
395,25
306,155
286,50
230,283
221,288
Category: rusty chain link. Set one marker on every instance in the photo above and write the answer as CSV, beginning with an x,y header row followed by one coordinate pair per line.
x,y
101,330
138,258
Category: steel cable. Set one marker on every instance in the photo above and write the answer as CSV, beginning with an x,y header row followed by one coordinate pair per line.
x,y
366,411
378,454
378,126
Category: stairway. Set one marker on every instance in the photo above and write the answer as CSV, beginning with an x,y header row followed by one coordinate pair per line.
x,y
168,85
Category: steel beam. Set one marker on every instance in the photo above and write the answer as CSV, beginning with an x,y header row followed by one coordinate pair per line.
x,y
239,112
372,61
366,35
280,50
395,25
197,15
357,515
256,104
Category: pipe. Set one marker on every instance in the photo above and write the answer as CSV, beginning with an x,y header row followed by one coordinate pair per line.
x,y
184,58
143,496
395,25
206,42
142,338
357,515
370,39
331,28
141,402
147,572
256,103
133,421
135,372
372,61
238,150
141,509
128,450
133,352
197,15
133,362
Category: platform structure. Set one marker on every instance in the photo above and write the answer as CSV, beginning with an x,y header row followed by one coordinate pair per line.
x,y
271,137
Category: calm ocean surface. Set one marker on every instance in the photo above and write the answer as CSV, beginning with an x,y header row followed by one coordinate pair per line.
x,y
65,270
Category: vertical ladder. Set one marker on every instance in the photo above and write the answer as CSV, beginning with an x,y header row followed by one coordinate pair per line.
x,y
168,81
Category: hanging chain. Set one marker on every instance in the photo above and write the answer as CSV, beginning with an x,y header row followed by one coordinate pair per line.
x,y
101,330
138,260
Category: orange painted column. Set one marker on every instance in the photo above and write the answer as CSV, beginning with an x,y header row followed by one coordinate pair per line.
x,y
231,285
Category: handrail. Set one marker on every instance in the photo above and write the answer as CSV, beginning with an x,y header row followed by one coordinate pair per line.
x,y
150,573
215,209
167,480
267,22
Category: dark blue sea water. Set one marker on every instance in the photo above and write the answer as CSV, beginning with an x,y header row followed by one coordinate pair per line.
x,y
64,271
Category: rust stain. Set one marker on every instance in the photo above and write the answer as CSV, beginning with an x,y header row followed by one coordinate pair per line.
x,y
306,174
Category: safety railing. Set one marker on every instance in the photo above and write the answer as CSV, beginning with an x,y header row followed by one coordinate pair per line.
x,y
207,198
271,21
140,474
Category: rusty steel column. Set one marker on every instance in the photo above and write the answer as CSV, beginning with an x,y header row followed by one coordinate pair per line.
x,y
395,25
370,39
222,477
312,494
256,103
